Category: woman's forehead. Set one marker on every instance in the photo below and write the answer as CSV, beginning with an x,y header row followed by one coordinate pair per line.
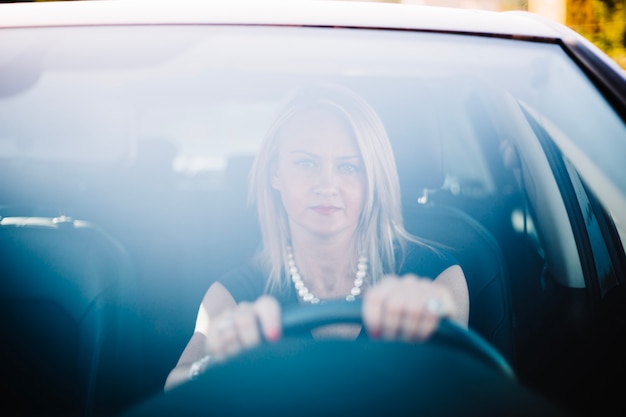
x,y
319,126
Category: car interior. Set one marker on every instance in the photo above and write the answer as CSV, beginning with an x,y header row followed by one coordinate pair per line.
x,y
106,249
112,261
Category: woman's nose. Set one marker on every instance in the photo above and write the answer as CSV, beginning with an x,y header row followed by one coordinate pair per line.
x,y
327,181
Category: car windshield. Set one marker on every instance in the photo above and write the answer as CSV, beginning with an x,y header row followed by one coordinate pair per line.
x,y
126,152
208,93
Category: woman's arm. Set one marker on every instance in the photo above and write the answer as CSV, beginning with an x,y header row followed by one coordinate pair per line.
x,y
216,300
453,279
223,329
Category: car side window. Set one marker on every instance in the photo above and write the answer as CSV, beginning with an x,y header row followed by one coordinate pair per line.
x,y
600,232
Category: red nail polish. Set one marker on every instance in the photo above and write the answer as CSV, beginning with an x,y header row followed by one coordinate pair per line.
x,y
273,335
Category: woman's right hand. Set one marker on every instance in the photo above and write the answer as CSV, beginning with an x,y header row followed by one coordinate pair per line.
x,y
243,327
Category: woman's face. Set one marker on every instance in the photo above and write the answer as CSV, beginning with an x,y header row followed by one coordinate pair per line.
x,y
320,174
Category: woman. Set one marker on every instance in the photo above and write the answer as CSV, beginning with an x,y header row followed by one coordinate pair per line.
x,y
328,199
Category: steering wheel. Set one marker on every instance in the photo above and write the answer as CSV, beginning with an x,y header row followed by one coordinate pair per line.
x,y
454,373
301,319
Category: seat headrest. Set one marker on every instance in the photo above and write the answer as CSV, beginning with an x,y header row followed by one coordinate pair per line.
x,y
419,158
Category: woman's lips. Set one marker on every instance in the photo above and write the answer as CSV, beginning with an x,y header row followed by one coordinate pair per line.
x,y
326,210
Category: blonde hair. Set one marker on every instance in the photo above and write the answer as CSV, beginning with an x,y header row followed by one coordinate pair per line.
x,y
380,229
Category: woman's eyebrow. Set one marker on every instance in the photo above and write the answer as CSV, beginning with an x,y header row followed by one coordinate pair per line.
x,y
314,155
303,151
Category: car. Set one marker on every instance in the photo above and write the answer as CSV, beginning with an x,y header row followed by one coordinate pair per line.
x,y
127,131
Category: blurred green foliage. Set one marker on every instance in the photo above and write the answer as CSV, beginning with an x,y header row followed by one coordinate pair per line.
x,y
605,25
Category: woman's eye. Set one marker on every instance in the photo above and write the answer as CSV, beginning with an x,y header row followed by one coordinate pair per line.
x,y
305,163
348,168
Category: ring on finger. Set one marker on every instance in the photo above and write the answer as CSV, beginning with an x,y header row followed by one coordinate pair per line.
x,y
227,336
435,306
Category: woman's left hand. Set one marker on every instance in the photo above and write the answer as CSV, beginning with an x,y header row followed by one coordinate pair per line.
x,y
405,308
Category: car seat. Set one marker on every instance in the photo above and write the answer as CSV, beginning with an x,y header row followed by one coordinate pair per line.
x,y
68,322
420,166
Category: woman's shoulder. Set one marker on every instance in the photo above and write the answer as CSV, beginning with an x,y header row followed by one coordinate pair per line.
x,y
423,258
246,281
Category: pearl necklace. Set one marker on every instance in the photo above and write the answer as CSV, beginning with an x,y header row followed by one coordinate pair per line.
x,y
307,296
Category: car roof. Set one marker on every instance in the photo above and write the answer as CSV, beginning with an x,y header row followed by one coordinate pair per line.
x,y
290,13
